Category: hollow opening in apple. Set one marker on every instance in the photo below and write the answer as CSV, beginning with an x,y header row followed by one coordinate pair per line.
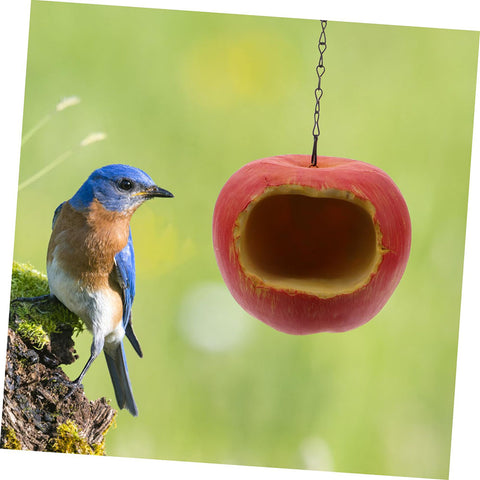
x,y
319,244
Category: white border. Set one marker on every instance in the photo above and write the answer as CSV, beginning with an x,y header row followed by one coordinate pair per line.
x,y
466,424
463,14
422,13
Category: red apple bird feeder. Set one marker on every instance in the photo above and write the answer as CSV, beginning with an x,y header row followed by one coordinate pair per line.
x,y
311,244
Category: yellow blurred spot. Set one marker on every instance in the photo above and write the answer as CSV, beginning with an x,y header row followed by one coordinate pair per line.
x,y
222,72
159,247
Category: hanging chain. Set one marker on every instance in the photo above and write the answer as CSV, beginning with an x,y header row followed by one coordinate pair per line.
x,y
322,46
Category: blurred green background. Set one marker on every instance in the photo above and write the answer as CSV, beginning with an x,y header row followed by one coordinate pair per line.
x,y
190,98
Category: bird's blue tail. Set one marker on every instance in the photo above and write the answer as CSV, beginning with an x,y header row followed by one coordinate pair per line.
x,y
117,366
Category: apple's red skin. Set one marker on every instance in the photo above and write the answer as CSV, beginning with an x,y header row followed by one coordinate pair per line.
x,y
303,313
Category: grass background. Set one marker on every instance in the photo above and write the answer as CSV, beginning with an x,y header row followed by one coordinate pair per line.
x,y
190,98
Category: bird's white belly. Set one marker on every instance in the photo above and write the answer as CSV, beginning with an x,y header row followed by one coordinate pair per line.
x,y
97,308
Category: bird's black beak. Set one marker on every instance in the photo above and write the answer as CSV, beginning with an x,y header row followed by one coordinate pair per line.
x,y
155,191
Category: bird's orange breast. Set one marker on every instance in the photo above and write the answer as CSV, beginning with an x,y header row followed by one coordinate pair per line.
x,y
85,243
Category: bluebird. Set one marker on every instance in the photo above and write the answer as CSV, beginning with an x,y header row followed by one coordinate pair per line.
x,y
91,264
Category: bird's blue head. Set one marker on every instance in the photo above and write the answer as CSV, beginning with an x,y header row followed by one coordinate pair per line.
x,y
118,188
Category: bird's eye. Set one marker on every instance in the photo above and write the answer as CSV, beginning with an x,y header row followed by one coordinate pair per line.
x,y
125,184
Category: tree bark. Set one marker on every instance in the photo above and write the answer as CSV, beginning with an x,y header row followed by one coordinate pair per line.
x,y
37,412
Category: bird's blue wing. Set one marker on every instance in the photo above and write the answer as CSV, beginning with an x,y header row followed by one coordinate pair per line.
x,y
125,266
55,215
125,262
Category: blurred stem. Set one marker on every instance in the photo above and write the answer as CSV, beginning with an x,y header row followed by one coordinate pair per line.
x,y
62,105
35,129
46,169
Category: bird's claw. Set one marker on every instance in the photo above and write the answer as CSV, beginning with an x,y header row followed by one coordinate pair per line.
x,y
72,388
35,300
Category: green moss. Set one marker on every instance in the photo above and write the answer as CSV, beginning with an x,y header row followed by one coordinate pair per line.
x,y
34,333
70,440
37,321
9,439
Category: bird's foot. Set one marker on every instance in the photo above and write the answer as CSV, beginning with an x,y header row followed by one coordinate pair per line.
x,y
35,300
72,388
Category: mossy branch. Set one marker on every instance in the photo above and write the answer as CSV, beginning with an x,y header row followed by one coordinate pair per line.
x,y
36,413
32,321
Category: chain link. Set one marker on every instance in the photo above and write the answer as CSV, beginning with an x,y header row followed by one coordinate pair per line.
x,y
322,46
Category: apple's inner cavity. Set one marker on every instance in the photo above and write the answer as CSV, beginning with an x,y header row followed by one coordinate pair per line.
x,y
312,239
